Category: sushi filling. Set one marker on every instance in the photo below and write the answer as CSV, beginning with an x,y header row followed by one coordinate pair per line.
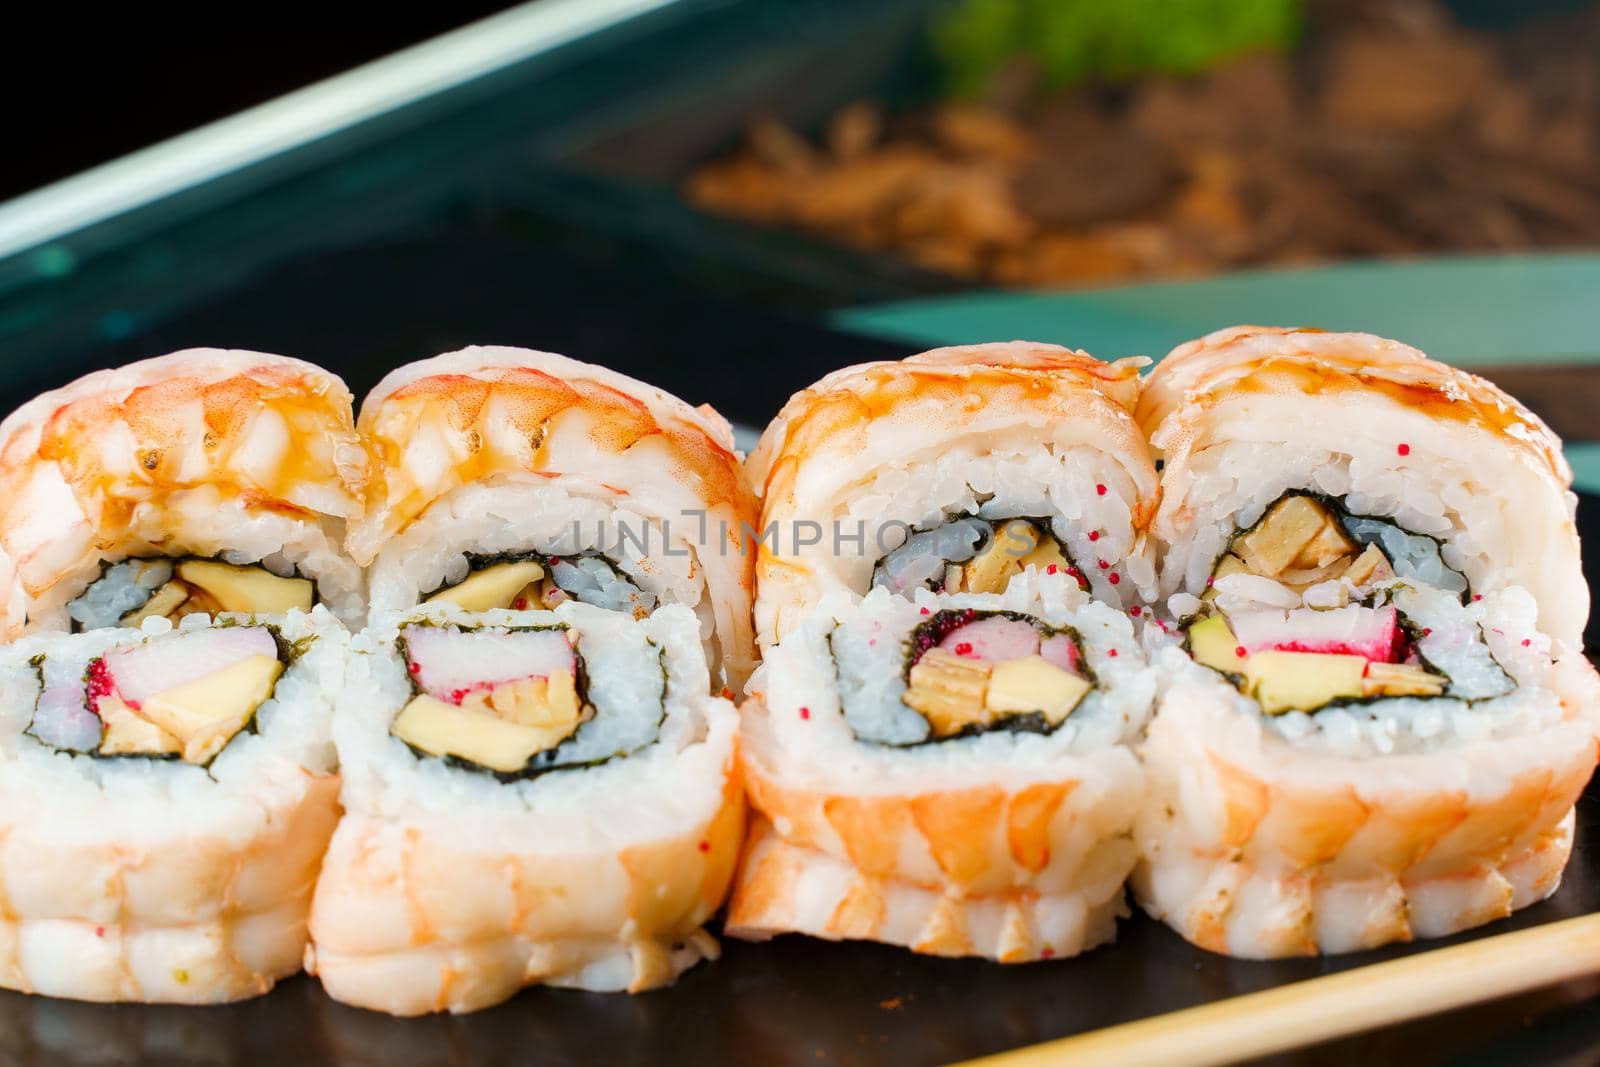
x,y
511,701
185,696
1312,608
968,672
972,555
133,590
532,581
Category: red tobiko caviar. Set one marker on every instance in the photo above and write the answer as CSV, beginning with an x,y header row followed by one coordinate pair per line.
x,y
1111,652
1476,597
1426,630
1104,565
705,846
805,713
1115,578
1239,650
520,604
1136,611
1526,641
1046,952
937,629
1051,569
1404,449
925,611
964,648
1094,535
1100,489
416,668
99,684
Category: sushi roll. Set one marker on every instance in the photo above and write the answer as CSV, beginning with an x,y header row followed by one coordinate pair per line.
x,y
511,479
1379,718
193,483
938,743
953,471
167,794
949,773
530,797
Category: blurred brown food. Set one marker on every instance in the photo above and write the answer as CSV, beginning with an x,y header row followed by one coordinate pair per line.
x,y
1392,132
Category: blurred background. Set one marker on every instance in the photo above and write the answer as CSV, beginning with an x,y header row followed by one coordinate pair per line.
x,y
731,198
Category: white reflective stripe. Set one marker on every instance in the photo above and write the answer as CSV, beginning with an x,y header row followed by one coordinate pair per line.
x,y
305,115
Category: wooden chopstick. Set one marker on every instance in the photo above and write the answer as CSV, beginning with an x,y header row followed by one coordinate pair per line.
x,y
1363,998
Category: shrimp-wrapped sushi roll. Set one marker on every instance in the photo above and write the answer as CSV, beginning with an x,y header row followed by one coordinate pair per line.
x,y
536,796
1379,719
167,794
511,479
938,747
197,482
948,773
951,472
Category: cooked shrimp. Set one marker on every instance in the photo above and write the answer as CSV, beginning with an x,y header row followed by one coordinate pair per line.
x,y
539,442
199,453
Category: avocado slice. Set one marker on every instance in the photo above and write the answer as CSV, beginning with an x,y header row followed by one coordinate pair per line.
x,y
252,589
443,729
491,588
127,733
1047,553
992,569
1213,645
205,714
163,602
1371,566
1296,532
1402,680
543,702
1303,681
947,690
1033,684
1229,564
